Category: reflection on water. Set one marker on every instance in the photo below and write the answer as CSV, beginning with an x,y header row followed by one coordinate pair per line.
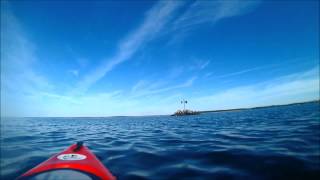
x,y
269,143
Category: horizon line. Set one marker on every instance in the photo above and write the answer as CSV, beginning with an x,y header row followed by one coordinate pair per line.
x,y
203,111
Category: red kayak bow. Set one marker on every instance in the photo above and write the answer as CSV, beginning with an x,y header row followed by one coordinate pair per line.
x,y
76,162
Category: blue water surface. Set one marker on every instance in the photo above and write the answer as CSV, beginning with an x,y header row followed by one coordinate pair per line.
x,y
270,143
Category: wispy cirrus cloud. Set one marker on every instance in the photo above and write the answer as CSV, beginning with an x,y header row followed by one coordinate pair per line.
x,y
144,88
286,89
201,12
165,13
207,12
258,68
291,88
19,78
153,23
19,56
195,66
199,64
243,71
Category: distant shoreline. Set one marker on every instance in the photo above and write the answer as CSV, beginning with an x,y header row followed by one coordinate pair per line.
x,y
260,107
217,111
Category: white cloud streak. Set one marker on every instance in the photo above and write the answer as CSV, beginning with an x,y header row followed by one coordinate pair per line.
x,y
153,23
257,68
243,71
18,57
161,15
208,12
18,75
297,87
199,64
19,78
201,12
143,88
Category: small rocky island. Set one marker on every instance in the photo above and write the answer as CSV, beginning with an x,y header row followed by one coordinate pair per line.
x,y
185,111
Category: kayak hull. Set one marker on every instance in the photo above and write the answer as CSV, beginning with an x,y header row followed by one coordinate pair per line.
x,y
76,157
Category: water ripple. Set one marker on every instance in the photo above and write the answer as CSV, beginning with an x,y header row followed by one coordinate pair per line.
x,y
268,143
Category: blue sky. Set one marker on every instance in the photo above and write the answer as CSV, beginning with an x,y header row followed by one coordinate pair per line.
x,y
106,58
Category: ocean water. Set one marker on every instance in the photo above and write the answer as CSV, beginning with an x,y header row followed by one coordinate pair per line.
x,y
268,143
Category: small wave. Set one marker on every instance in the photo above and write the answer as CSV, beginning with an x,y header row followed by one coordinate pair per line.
x,y
266,143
